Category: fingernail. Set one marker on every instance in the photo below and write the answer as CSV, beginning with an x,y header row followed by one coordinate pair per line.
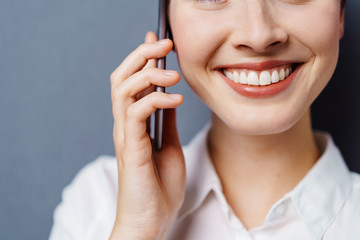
x,y
162,42
175,96
170,73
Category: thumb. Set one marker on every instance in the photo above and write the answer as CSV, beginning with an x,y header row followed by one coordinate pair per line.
x,y
150,37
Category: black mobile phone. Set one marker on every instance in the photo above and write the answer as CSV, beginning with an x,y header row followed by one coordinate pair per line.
x,y
161,63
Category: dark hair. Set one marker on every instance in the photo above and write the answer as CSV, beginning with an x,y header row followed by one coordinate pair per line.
x,y
343,4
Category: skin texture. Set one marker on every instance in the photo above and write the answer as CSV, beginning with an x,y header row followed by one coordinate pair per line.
x,y
219,36
271,136
151,184
277,128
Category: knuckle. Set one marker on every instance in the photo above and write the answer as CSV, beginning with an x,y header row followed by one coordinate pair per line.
x,y
141,50
145,46
132,112
120,92
151,98
150,72
154,99
116,78
112,77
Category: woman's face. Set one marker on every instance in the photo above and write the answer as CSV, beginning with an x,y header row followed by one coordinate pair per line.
x,y
235,53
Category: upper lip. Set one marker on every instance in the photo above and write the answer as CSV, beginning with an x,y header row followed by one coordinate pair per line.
x,y
256,66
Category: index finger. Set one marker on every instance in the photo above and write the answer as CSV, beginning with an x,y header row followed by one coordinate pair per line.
x,y
140,57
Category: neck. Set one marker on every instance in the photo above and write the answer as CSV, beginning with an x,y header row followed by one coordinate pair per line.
x,y
256,171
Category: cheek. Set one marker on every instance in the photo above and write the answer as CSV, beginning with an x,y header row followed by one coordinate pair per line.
x,y
318,29
325,45
195,41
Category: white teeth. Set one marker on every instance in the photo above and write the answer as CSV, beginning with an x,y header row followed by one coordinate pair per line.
x,y
253,79
256,78
236,77
243,78
275,77
227,74
282,75
265,78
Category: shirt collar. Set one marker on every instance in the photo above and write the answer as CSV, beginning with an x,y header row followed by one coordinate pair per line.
x,y
323,191
317,198
201,176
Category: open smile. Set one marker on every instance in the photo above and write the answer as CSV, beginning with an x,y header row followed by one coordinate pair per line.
x,y
260,79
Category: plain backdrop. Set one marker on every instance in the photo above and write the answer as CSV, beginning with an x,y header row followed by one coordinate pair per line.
x,y
55,107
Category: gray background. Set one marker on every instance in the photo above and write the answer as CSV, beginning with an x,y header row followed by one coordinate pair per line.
x,y
55,110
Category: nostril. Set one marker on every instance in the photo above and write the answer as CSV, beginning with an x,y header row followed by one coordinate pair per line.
x,y
275,43
260,41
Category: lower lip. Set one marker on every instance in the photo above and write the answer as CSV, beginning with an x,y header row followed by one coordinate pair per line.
x,y
261,91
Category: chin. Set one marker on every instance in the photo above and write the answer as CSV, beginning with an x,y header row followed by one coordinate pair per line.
x,y
265,124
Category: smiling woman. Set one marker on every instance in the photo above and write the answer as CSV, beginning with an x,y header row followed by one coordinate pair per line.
x,y
249,46
258,170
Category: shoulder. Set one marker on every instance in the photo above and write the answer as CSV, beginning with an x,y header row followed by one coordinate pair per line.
x,y
104,168
88,203
97,176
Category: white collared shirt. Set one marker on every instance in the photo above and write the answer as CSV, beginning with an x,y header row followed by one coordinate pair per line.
x,y
324,205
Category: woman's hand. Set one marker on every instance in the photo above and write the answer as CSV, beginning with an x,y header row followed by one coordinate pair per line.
x,y
151,183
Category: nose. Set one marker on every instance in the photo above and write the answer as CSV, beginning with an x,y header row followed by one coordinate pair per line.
x,y
257,28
